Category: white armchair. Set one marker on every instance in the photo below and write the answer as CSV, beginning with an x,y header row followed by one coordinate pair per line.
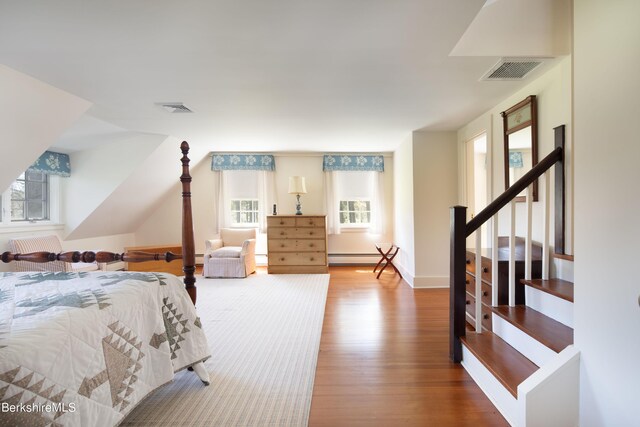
x,y
25,245
233,254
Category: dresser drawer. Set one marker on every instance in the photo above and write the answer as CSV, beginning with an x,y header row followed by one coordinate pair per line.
x,y
471,262
471,305
486,269
308,233
274,221
297,258
296,245
310,222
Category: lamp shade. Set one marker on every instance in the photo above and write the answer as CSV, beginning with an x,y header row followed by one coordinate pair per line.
x,y
296,185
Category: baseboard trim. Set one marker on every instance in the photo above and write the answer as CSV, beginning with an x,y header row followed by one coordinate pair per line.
x,y
424,282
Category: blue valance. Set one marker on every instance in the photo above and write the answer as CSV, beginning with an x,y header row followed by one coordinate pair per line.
x,y
515,159
242,161
52,163
353,162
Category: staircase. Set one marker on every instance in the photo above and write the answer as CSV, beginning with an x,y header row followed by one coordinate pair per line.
x,y
524,361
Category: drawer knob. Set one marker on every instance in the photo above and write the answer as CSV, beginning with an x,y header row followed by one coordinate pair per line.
x,y
468,261
281,222
311,233
485,270
310,245
485,293
311,259
468,302
281,259
486,316
467,281
282,233
282,245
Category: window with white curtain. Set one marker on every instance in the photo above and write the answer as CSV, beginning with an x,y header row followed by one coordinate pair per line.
x,y
354,200
244,187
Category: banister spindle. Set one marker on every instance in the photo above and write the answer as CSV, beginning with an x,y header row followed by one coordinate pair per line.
x,y
545,226
479,280
494,262
512,255
527,242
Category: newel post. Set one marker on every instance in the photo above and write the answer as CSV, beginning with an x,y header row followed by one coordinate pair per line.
x,y
457,281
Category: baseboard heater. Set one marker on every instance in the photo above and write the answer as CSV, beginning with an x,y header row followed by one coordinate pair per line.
x,y
339,259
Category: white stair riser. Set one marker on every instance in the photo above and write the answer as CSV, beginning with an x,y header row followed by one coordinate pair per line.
x,y
549,305
492,388
532,349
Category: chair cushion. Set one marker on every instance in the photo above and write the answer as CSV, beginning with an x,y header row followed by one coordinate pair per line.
x,y
236,236
227,252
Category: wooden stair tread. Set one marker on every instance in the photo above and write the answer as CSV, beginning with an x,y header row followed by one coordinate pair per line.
x,y
544,329
506,363
557,287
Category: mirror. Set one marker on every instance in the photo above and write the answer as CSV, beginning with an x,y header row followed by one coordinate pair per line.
x,y
520,127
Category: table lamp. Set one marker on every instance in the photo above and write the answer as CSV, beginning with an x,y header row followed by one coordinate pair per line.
x,y
297,187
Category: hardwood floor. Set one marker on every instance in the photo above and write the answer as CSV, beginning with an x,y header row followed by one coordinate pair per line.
x,y
384,358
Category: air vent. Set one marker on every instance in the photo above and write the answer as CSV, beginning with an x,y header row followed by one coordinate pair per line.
x,y
174,107
512,68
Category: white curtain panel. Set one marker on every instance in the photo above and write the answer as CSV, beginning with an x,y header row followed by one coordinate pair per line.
x,y
267,197
378,217
332,202
223,210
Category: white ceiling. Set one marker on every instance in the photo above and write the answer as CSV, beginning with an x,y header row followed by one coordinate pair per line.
x,y
330,75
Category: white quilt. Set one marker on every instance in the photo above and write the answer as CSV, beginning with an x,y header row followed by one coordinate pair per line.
x,y
82,349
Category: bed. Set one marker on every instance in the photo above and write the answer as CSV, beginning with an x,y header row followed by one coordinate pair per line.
x,y
84,348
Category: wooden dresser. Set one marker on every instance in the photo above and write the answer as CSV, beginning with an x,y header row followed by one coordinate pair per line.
x,y
503,277
174,267
297,244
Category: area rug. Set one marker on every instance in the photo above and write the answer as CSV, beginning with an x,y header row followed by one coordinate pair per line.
x,y
264,333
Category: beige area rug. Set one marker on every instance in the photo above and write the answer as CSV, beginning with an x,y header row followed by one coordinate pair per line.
x,y
264,333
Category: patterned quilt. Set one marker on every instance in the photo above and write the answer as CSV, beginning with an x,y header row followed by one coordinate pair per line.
x,y
82,349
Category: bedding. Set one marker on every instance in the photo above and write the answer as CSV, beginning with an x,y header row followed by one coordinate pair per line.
x,y
82,349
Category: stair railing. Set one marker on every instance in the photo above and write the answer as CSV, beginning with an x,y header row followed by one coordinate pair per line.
x,y
460,230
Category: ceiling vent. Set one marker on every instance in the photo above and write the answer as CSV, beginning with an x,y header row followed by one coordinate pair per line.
x,y
174,107
512,68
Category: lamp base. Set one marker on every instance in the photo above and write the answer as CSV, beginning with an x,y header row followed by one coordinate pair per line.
x,y
298,206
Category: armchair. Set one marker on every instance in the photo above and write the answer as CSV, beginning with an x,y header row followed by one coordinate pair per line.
x,y
25,245
233,254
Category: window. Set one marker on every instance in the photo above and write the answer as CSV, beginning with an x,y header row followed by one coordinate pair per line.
x,y
244,212
30,197
355,212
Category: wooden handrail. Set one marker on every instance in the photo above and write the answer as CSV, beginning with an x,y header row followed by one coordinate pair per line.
x,y
501,201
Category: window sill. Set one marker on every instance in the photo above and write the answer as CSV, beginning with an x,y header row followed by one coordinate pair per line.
x,y
29,227
355,229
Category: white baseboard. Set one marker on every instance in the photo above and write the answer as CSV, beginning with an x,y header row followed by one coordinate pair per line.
x,y
422,282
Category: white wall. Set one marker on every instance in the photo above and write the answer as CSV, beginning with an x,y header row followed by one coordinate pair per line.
x,y
435,183
607,202
163,226
403,230
32,116
553,92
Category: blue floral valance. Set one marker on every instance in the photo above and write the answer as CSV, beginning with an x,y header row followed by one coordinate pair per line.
x,y
242,161
52,163
353,162
515,159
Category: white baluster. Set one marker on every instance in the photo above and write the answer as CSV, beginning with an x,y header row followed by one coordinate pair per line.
x,y
512,256
545,234
494,263
479,280
527,243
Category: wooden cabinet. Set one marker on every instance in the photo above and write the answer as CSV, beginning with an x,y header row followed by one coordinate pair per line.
x,y
503,277
174,267
297,244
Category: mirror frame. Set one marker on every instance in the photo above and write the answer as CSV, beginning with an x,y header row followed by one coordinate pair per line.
x,y
533,122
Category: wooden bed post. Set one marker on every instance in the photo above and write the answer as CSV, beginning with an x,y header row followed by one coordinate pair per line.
x,y
188,243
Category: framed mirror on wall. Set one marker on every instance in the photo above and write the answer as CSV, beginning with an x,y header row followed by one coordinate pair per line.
x,y
520,127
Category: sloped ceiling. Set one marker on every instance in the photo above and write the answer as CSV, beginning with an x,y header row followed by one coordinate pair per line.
x,y
33,115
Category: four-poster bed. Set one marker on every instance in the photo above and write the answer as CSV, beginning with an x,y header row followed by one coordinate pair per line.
x,y
84,348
